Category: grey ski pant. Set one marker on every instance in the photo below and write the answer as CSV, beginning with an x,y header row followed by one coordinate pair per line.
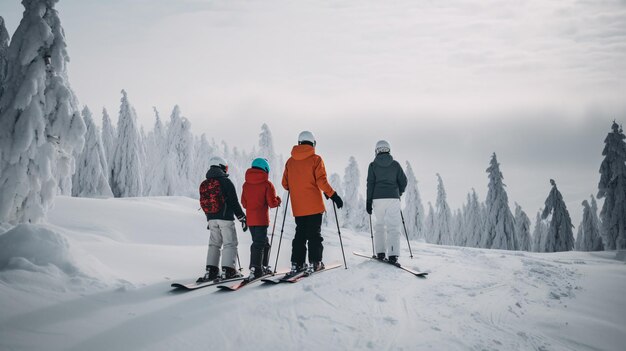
x,y
223,235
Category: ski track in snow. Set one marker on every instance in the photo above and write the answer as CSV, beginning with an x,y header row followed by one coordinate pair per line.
x,y
473,299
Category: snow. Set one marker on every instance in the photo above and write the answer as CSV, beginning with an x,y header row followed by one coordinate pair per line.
x,y
98,275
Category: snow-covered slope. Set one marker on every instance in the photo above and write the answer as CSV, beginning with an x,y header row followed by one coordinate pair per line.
x,y
98,278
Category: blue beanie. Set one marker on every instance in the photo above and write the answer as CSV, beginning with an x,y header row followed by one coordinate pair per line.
x,y
262,164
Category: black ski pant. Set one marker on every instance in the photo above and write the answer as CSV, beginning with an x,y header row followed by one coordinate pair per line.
x,y
259,250
308,229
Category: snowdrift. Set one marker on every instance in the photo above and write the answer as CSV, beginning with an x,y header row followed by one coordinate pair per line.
x,y
123,254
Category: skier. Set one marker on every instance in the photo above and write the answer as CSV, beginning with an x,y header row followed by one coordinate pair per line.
x,y
386,182
257,197
218,199
305,178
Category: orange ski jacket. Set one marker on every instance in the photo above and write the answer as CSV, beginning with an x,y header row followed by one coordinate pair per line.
x,y
305,179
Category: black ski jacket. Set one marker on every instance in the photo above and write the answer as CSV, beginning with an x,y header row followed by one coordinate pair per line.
x,y
231,202
385,179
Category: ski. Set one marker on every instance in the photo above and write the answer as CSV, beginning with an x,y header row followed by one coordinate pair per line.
x,y
194,285
415,273
297,277
246,282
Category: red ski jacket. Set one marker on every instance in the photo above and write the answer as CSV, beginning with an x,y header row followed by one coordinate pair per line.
x,y
257,197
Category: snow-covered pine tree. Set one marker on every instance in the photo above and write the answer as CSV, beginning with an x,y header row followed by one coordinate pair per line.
x,y
588,231
203,152
594,214
127,170
156,152
352,203
335,181
612,187
4,51
40,125
499,229
429,225
539,233
413,207
559,236
457,228
443,216
109,140
180,155
90,179
473,221
266,150
522,229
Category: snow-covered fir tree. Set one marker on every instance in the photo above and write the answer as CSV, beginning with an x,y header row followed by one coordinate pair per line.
x,y
353,202
180,155
612,188
127,169
203,153
559,236
413,207
499,227
91,177
458,237
4,52
522,229
266,150
156,152
473,227
589,238
40,125
443,216
596,219
329,218
429,225
109,140
539,232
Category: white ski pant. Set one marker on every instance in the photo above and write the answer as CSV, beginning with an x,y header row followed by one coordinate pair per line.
x,y
223,233
387,227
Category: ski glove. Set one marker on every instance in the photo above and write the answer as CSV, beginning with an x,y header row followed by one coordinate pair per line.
x,y
337,200
244,224
368,208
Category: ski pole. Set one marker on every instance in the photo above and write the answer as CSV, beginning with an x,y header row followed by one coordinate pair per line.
x,y
282,228
372,232
273,229
340,241
239,262
406,234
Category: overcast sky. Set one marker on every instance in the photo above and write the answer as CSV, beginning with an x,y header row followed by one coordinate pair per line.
x,y
446,82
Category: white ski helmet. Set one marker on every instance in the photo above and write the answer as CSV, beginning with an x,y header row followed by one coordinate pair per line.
x,y
382,146
306,136
218,162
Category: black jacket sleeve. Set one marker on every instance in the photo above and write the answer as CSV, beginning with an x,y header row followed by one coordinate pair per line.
x,y
402,181
230,195
371,181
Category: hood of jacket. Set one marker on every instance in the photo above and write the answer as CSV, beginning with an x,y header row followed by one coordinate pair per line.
x,y
383,160
256,176
301,152
216,172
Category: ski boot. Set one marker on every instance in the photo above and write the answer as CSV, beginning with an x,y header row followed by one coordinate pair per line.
x,y
295,269
230,273
314,267
211,274
394,260
255,273
380,256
